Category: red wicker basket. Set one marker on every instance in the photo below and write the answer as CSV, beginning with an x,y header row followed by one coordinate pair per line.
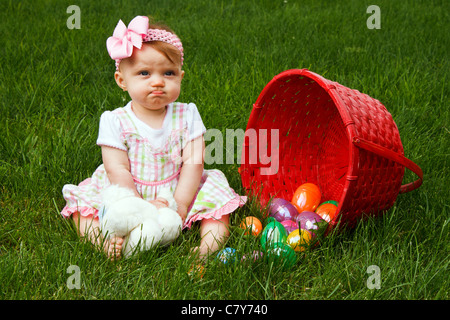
x,y
305,128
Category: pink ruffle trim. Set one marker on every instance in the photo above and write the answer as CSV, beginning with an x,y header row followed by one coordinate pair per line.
x,y
84,211
231,205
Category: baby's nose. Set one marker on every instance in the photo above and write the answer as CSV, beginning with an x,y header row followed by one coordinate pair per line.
x,y
157,81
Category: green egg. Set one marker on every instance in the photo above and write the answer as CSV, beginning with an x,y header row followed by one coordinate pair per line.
x,y
332,202
273,232
281,254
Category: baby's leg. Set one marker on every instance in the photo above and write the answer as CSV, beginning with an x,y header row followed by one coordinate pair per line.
x,y
213,233
89,228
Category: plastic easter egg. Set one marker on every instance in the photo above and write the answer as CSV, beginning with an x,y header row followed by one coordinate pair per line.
x,y
196,271
299,239
281,210
306,197
227,255
332,201
254,256
311,221
252,225
281,254
273,232
289,225
327,211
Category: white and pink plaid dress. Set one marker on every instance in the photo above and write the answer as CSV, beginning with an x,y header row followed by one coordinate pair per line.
x,y
154,167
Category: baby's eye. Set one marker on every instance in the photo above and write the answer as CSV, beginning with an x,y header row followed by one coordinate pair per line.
x,y
144,73
169,73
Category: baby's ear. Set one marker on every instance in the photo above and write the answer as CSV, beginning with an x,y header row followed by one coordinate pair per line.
x,y
118,76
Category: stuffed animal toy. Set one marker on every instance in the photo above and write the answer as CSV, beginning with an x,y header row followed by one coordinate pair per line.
x,y
141,224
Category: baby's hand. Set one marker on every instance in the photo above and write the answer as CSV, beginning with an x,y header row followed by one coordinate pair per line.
x,y
160,203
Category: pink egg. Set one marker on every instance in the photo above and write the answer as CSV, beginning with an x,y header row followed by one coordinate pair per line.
x,y
254,256
289,225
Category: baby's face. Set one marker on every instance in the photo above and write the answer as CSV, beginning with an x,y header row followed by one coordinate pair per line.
x,y
151,79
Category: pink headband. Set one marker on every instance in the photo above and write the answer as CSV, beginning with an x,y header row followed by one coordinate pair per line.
x,y
120,45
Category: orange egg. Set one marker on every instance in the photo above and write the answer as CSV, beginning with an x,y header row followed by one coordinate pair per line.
x,y
251,224
306,197
196,271
327,211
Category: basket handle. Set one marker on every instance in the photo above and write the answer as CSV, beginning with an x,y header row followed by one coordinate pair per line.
x,y
394,156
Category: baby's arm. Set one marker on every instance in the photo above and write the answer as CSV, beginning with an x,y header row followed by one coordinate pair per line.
x,y
117,168
190,175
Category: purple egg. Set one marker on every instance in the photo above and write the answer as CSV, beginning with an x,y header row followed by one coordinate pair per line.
x,y
290,225
282,209
310,221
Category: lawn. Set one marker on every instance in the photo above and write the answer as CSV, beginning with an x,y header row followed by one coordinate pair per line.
x,y
56,82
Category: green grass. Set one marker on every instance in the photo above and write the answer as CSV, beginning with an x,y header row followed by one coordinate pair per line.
x,y
56,82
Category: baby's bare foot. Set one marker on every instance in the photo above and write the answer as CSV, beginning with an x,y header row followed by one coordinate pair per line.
x,y
113,248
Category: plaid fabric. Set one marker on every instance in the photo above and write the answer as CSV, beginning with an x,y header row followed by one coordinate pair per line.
x,y
153,168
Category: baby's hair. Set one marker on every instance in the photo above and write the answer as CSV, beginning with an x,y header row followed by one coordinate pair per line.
x,y
171,53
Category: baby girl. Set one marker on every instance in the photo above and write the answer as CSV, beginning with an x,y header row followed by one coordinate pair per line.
x,y
153,142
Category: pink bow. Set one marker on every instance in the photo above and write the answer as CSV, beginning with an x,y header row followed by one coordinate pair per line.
x,y
120,45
